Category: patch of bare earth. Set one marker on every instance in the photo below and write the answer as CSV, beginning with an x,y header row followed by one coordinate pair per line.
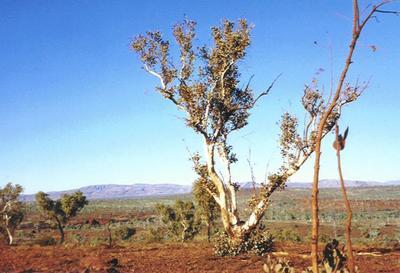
x,y
193,257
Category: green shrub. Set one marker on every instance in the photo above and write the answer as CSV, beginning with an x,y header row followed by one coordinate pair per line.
x,y
125,232
258,243
153,235
287,235
223,247
179,219
77,238
372,233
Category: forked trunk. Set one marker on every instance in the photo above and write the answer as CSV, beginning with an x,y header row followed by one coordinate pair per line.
x,y
208,231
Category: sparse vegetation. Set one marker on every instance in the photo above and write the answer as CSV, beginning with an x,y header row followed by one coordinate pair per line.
x,y
376,209
179,219
61,210
11,210
125,232
207,209
266,228
280,265
259,242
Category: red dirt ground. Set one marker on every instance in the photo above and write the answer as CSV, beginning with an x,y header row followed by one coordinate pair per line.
x,y
163,258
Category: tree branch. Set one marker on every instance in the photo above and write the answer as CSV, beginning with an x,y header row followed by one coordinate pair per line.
x,y
152,72
266,91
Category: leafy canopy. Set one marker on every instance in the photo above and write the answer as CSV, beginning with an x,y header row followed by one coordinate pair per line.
x,y
11,209
63,209
206,84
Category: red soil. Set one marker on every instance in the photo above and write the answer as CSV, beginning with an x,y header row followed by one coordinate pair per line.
x,y
193,257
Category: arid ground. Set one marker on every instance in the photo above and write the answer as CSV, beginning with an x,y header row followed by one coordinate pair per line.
x,y
376,232
192,257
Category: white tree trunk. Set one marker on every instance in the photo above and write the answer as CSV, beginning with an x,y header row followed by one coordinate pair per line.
x,y
10,237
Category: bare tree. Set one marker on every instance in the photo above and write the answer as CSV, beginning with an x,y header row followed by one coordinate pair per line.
x,y
343,94
11,212
339,144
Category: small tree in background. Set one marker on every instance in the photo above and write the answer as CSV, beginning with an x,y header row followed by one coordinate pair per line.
x,y
179,219
61,210
206,207
11,209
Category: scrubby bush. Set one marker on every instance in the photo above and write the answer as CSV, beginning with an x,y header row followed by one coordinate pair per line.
x,y
62,210
153,235
179,220
125,232
94,223
223,246
372,233
287,235
260,242
77,238
207,209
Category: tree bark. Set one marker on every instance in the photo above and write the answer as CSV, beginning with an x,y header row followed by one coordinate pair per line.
x,y
109,235
349,245
208,232
314,208
10,236
60,229
357,28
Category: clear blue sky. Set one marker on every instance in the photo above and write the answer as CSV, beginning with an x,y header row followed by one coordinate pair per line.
x,y
77,109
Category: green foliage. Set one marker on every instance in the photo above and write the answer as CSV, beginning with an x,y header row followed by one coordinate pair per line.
x,y
207,209
259,242
285,235
61,210
372,234
206,82
153,235
11,210
179,219
125,233
49,207
72,204
223,246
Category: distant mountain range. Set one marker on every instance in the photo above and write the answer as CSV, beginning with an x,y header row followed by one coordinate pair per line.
x,y
333,183
110,191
